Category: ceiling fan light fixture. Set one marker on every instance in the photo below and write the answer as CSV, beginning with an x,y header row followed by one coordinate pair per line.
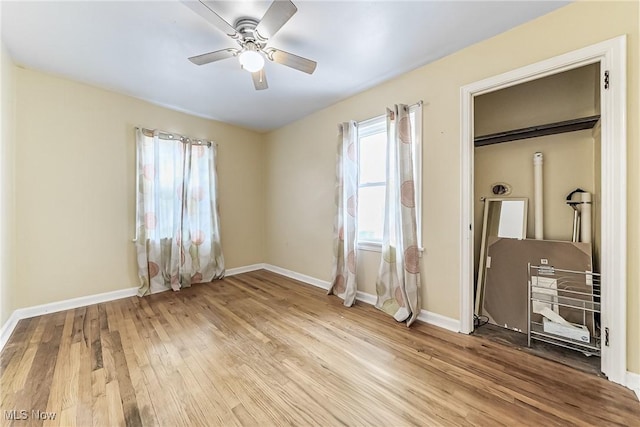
x,y
251,61
253,36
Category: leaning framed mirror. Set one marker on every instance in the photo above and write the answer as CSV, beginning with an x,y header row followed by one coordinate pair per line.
x,y
503,217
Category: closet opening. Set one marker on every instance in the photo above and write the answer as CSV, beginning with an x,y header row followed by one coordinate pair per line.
x,y
611,205
536,208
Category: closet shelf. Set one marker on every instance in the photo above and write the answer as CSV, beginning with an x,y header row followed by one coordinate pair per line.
x,y
540,130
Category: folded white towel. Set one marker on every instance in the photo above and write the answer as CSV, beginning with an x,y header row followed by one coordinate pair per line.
x,y
555,317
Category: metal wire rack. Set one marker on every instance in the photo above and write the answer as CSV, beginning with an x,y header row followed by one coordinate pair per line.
x,y
575,295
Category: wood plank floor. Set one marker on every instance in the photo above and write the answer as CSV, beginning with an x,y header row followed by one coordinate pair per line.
x,y
518,340
260,349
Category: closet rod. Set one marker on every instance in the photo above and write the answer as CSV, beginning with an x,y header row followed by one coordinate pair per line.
x,y
535,131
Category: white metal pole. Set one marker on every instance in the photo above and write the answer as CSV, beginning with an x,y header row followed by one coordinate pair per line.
x,y
585,217
537,196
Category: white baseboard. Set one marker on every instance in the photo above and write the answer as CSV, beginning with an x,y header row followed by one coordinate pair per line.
x,y
633,382
439,320
425,316
7,329
323,284
53,307
245,269
366,298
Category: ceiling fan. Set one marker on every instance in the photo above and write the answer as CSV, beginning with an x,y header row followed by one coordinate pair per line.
x,y
252,36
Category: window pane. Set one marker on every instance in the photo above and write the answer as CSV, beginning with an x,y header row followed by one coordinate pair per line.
x,y
372,158
370,213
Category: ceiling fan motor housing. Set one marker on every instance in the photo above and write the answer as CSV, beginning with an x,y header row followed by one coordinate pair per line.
x,y
246,27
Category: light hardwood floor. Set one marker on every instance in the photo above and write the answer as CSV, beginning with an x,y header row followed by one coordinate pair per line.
x,y
261,349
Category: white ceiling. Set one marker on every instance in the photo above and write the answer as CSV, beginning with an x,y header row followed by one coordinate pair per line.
x,y
140,48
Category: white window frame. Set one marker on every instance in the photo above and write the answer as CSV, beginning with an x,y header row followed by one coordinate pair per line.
x,y
367,128
378,125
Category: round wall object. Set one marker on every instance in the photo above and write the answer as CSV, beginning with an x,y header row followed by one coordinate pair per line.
x,y
500,189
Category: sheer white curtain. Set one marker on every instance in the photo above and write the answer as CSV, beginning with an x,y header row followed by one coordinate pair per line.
x,y
177,221
343,283
398,281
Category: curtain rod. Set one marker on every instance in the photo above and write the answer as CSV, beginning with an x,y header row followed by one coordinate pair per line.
x,y
364,122
417,104
175,137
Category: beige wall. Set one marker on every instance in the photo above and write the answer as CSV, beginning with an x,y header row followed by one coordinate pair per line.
x,y
300,157
75,175
568,157
568,164
565,96
7,149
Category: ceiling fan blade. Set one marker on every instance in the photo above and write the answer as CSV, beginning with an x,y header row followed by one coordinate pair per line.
x,y
206,58
275,17
290,60
259,80
205,9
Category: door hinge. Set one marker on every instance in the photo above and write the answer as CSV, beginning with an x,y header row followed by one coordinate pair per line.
x,y
606,79
606,337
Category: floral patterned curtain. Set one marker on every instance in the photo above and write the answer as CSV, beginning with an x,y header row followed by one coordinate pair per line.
x,y
398,281
177,221
343,283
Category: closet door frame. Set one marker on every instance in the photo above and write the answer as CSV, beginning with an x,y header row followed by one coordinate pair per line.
x,y
611,55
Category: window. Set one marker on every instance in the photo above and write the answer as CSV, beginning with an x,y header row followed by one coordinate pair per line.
x,y
162,180
372,141
174,181
372,144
